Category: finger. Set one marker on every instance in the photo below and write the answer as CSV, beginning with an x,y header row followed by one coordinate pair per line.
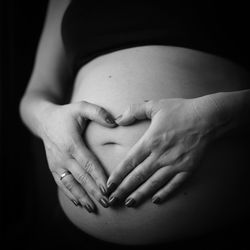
x,y
137,111
136,155
70,184
87,183
95,113
154,183
64,189
174,183
90,164
138,176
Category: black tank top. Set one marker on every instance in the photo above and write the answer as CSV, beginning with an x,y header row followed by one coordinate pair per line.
x,y
92,28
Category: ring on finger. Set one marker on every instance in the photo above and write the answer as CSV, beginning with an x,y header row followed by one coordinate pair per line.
x,y
64,174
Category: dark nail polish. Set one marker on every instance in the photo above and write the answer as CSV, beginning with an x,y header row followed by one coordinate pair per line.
x,y
130,202
104,202
113,200
103,190
89,208
110,120
156,200
75,203
111,187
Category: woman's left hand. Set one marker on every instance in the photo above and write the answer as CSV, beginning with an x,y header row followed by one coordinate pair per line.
x,y
167,153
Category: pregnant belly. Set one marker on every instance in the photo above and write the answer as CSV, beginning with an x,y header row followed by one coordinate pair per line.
x,y
214,196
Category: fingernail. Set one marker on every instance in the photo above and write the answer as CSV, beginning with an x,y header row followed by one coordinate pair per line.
x,y
89,208
110,120
111,187
104,202
103,190
118,118
129,202
156,200
113,200
75,203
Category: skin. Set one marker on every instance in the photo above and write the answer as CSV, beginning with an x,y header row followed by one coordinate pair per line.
x,y
44,109
66,151
214,194
170,150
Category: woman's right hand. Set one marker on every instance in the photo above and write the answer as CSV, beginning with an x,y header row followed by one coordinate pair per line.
x,y
62,126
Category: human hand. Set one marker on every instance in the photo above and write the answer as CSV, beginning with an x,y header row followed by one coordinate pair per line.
x,y
167,153
75,169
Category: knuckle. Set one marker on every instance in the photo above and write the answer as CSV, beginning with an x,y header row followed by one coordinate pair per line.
x,y
128,166
70,149
160,143
82,178
139,177
162,161
69,185
84,103
100,111
89,166
155,184
155,142
149,107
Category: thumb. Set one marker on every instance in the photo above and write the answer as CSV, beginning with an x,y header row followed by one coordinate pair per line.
x,y
135,111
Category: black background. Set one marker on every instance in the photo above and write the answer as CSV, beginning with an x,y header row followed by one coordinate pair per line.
x,y
27,191
21,25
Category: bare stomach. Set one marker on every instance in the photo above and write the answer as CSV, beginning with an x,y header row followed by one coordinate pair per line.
x,y
214,196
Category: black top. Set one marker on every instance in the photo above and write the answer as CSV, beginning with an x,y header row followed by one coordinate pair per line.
x,y
92,28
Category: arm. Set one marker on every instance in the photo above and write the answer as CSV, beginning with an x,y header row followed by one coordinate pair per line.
x,y
50,73
75,169
170,150
230,110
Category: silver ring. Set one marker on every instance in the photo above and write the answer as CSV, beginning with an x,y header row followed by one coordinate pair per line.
x,y
64,175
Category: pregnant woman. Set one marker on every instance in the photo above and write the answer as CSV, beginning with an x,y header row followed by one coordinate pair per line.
x,y
144,115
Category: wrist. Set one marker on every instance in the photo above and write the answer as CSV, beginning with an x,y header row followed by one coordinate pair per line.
x,y
213,114
33,109
44,117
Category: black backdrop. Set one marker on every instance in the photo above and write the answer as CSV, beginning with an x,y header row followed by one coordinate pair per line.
x,y
21,25
27,191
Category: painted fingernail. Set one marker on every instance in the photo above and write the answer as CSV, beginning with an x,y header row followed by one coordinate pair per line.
x,y
113,200
111,187
104,190
104,202
118,118
110,120
89,208
130,202
75,203
156,200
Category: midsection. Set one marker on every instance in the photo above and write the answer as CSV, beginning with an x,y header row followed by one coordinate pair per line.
x,y
133,75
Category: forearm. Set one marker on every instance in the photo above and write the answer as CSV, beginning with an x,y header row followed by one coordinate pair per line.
x,y
231,110
32,107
